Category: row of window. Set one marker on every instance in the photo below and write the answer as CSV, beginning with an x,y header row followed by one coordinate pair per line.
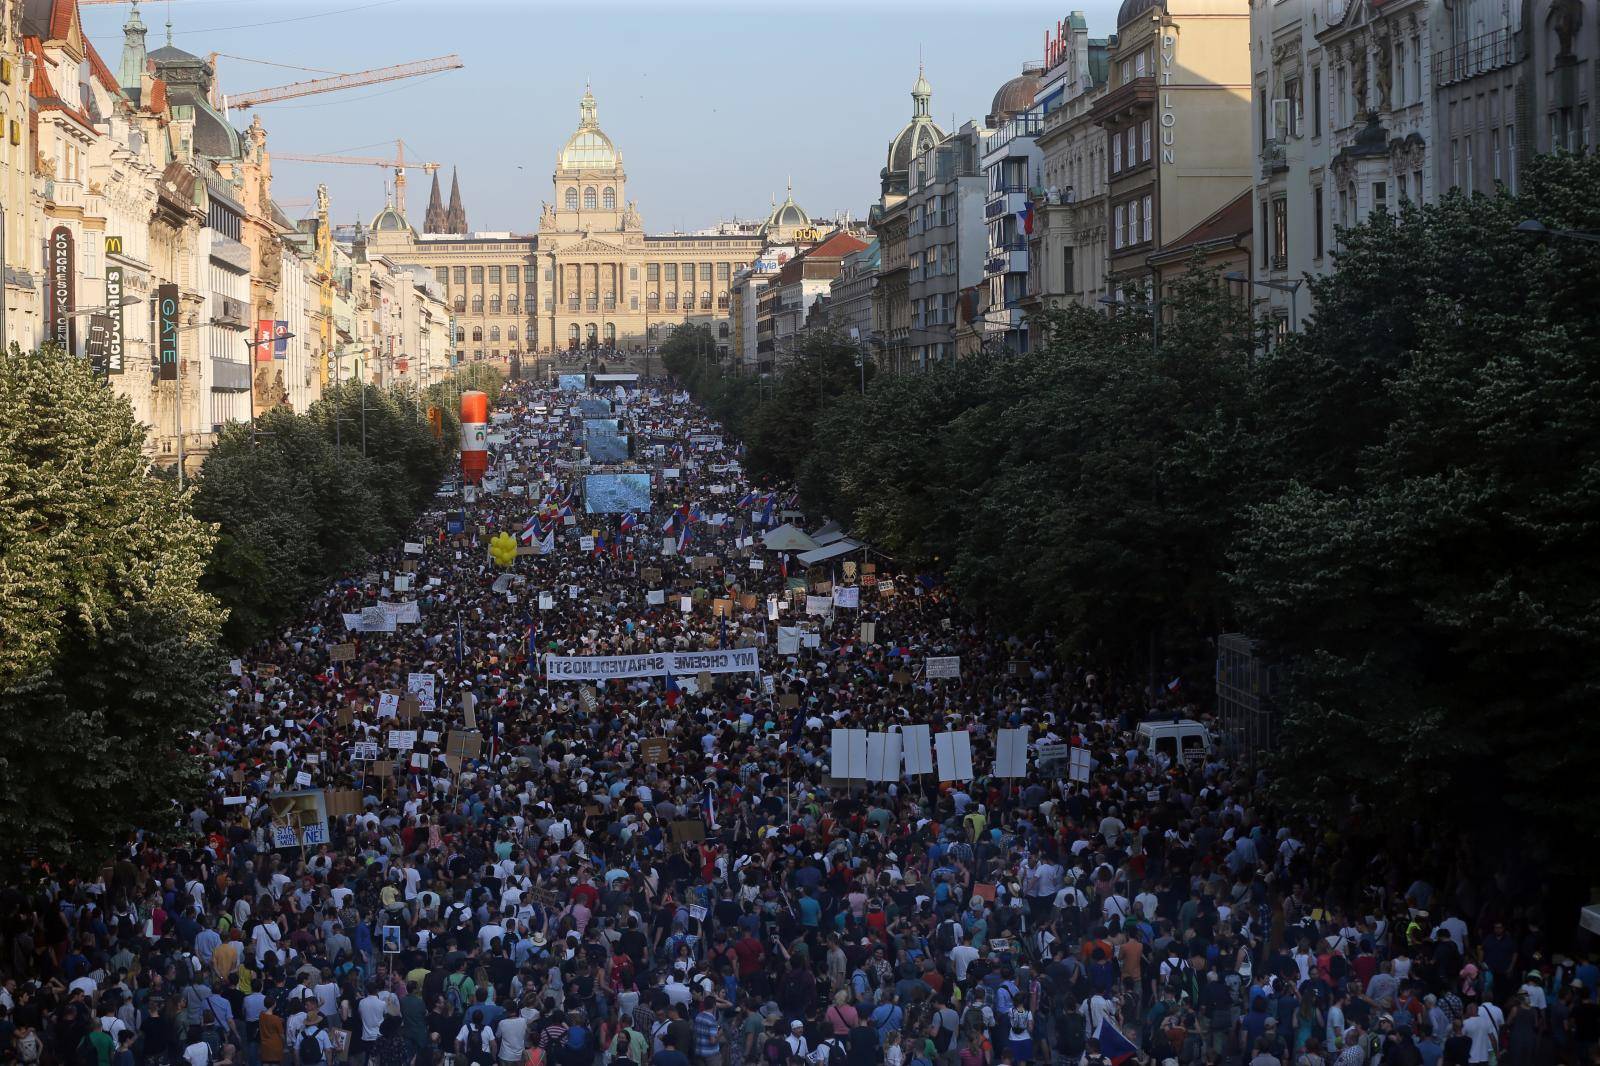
x,y
512,304
1131,147
939,211
937,310
494,333
940,259
493,275
606,197
1135,223
446,275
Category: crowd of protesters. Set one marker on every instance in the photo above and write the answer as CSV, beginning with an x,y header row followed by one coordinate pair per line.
x,y
559,895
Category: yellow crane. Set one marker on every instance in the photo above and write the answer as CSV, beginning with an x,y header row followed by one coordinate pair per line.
x,y
398,164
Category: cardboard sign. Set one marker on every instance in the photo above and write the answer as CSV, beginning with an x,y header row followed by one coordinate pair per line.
x,y
342,802
688,829
651,575
344,715
721,608
407,709
655,751
382,768
589,698
341,653
464,743
702,562
789,700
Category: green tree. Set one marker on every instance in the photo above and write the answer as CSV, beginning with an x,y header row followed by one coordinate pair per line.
x,y
1426,574
108,647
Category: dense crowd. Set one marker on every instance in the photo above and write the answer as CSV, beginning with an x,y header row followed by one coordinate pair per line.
x,y
560,891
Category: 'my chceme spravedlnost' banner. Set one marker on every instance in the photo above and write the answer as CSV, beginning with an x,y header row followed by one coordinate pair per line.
x,y
657,664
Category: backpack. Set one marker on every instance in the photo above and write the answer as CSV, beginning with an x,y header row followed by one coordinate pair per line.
x,y
452,993
775,1051
476,1052
944,937
309,1048
837,1056
1074,1033
86,1054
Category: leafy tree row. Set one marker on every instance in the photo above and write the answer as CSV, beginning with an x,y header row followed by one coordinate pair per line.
x,y
1401,502
315,494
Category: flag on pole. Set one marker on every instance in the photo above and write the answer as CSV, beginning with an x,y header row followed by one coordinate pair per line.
x,y
548,545
709,806
674,693
1113,1045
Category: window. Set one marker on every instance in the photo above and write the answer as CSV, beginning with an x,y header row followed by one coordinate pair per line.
x,y
460,274
1133,222
1144,131
672,272
1494,152
1120,237
494,275
477,334
1068,262
477,275
511,304
572,204
477,305
723,272
1280,232
1468,162
1316,220
1266,234
494,334
915,225
1139,65
1116,152
1399,79
652,301
1295,119
442,274
705,271
1149,219
705,301
511,333
461,335
461,304
1455,164
1416,185
652,272
494,304
1416,64
1511,157
672,301
590,199
609,198
1316,101
1127,71
633,272
1341,108
633,302
529,273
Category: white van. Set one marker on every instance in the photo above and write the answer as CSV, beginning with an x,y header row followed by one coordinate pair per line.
x,y
1180,739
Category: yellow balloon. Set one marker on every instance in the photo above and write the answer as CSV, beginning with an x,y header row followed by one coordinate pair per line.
x,y
503,548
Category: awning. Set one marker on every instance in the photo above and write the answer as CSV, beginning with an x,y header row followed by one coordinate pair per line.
x,y
832,551
788,538
829,533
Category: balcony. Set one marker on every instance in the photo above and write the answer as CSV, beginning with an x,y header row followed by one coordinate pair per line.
x,y
1479,55
1011,257
1006,200
1274,158
1024,125
229,376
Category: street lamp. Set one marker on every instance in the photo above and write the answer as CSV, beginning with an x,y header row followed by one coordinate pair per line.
x,y
1535,228
1290,287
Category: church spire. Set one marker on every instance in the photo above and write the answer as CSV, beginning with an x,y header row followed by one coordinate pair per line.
x,y
131,69
434,220
456,218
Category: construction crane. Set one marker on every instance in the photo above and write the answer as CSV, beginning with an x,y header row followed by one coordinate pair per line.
x,y
337,82
398,164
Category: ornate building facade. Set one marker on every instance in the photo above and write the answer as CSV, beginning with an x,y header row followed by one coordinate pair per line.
x,y
588,278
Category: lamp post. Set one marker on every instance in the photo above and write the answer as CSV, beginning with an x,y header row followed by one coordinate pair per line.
x,y
251,347
1290,287
1533,227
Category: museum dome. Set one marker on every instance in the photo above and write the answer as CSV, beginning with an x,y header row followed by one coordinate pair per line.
x,y
389,221
588,148
1015,96
787,215
1132,9
918,135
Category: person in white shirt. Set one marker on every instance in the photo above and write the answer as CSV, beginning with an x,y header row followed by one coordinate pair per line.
x,y
513,1034
374,1006
1483,1032
197,1053
961,957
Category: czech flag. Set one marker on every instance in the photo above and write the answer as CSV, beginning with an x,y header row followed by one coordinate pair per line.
x,y
1025,219
1113,1045
628,522
674,693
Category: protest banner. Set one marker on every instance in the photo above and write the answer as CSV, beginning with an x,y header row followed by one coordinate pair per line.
x,y
341,653
943,666
655,751
954,751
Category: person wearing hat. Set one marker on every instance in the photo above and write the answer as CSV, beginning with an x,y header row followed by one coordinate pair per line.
x,y
799,1047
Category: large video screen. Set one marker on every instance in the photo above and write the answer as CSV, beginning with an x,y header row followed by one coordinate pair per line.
x,y
592,408
571,382
604,426
606,447
616,493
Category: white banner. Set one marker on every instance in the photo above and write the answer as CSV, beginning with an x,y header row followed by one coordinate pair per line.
x,y
943,666
1011,753
421,686
401,613
917,749
818,605
849,754
847,596
606,667
883,756
955,756
369,620
788,640
1078,765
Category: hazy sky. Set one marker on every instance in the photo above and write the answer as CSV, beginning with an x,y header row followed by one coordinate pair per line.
x,y
713,105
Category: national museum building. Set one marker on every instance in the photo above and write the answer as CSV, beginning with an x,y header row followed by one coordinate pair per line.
x,y
590,277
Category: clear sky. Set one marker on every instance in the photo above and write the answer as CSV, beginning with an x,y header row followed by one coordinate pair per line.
x,y
714,105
